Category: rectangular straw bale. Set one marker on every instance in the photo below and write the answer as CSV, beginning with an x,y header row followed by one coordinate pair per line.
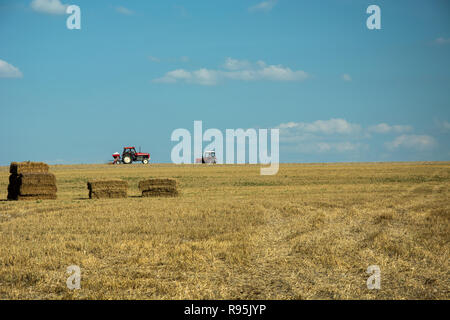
x,y
28,167
28,190
148,183
33,179
15,191
160,192
107,185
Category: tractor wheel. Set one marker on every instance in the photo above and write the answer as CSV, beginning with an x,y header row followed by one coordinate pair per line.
x,y
126,159
145,161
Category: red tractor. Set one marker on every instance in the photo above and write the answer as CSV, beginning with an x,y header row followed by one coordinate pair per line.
x,y
129,155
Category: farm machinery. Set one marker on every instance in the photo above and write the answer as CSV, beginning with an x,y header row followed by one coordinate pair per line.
x,y
129,155
208,157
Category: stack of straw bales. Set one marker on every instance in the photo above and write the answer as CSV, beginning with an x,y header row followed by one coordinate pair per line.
x,y
104,189
31,181
158,188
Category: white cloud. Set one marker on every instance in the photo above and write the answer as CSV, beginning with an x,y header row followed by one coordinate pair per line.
x,y
205,77
386,128
269,73
236,70
201,76
124,11
322,136
417,142
314,147
345,146
280,73
444,126
263,6
339,136
49,6
341,126
332,126
9,71
442,40
234,64
346,77
174,76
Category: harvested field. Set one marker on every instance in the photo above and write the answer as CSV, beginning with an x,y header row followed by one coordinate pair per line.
x,y
309,232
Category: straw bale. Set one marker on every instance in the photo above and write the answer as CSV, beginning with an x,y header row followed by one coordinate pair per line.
x,y
35,197
148,183
28,167
107,185
33,178
160,192
36,190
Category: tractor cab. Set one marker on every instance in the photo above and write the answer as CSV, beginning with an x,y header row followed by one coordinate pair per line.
x,y
129,150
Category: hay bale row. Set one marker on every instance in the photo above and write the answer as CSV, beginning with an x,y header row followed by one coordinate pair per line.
x,y
158,188
107,189
31,181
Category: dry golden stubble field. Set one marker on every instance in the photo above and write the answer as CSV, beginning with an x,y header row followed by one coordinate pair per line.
x,y
309,232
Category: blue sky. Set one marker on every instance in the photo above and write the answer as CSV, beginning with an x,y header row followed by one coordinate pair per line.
x,y
137,70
